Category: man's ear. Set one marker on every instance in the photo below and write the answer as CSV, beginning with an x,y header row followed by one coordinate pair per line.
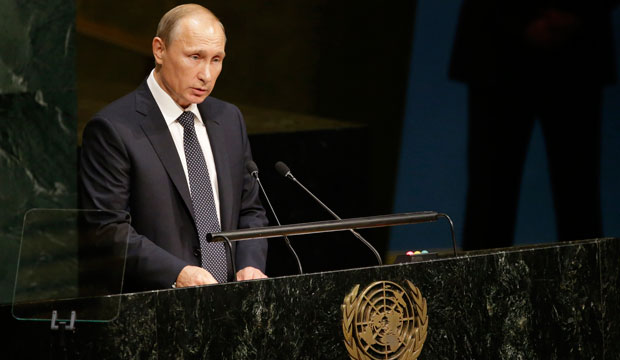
x,y
159,48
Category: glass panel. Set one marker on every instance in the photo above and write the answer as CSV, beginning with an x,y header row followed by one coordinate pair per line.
x,y
71,260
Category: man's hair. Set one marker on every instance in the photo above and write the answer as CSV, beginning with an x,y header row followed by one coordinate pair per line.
x,y
168,22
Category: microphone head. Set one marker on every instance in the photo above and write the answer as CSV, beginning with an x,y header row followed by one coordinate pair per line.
x,y
252,168
282,169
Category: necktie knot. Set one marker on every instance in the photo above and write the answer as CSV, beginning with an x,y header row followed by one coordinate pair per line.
x,y
186,119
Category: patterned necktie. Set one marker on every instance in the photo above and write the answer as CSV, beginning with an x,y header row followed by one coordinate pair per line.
x,y
213,254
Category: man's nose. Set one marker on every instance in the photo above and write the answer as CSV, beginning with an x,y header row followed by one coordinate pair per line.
x,y
205,73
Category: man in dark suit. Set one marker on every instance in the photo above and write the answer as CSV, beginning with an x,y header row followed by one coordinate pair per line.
x,y
163,149
526,60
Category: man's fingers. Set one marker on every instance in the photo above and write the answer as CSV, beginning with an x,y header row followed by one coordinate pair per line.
x,y
250,273
194,276
206,278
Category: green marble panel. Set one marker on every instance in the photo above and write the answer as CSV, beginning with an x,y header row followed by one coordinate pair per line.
x,y
610,293
37,118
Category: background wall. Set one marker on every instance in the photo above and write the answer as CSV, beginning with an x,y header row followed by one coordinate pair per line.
x,y
432,166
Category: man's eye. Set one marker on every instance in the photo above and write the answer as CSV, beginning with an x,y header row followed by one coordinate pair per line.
x,y
195,57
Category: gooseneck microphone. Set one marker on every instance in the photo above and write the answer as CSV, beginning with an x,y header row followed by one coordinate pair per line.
x,y
253,170
283,170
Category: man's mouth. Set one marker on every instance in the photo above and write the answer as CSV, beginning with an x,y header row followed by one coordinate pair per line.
x,y
199,91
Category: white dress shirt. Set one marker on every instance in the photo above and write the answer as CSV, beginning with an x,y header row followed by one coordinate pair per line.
x,y
171,112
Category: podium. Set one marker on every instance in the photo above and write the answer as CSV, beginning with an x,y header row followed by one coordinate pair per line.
x,y
551,301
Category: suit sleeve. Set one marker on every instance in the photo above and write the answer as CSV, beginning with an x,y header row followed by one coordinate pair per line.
x,y
252,214
105,183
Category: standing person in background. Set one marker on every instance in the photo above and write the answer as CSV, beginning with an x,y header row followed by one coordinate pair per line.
x,y
527,60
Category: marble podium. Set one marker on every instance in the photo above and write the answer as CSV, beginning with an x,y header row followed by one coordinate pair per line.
x,y
553,301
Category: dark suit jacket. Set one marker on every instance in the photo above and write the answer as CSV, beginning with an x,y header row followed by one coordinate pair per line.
x,y
129,162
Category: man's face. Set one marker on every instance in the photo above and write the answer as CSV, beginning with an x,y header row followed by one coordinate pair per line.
x,y
190,64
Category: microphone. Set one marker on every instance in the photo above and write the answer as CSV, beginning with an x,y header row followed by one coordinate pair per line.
x,y
253,170
283,170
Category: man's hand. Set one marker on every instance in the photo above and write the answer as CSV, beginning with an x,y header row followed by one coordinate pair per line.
x,y
194,276
250,273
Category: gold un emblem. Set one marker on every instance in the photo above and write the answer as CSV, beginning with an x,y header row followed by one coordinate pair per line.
x,y
384,322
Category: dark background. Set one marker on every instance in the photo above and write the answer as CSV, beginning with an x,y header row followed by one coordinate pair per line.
x,y
331,88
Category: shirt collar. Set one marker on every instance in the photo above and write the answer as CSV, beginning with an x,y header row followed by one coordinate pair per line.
x,y
169,109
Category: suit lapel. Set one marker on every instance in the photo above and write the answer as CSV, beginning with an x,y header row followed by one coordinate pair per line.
x,y
155,128
217,138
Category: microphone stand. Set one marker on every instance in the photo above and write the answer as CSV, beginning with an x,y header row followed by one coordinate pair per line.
x,y
286,240
284,170
253,169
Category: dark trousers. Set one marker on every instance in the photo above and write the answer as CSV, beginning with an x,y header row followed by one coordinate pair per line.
x,y
501,120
